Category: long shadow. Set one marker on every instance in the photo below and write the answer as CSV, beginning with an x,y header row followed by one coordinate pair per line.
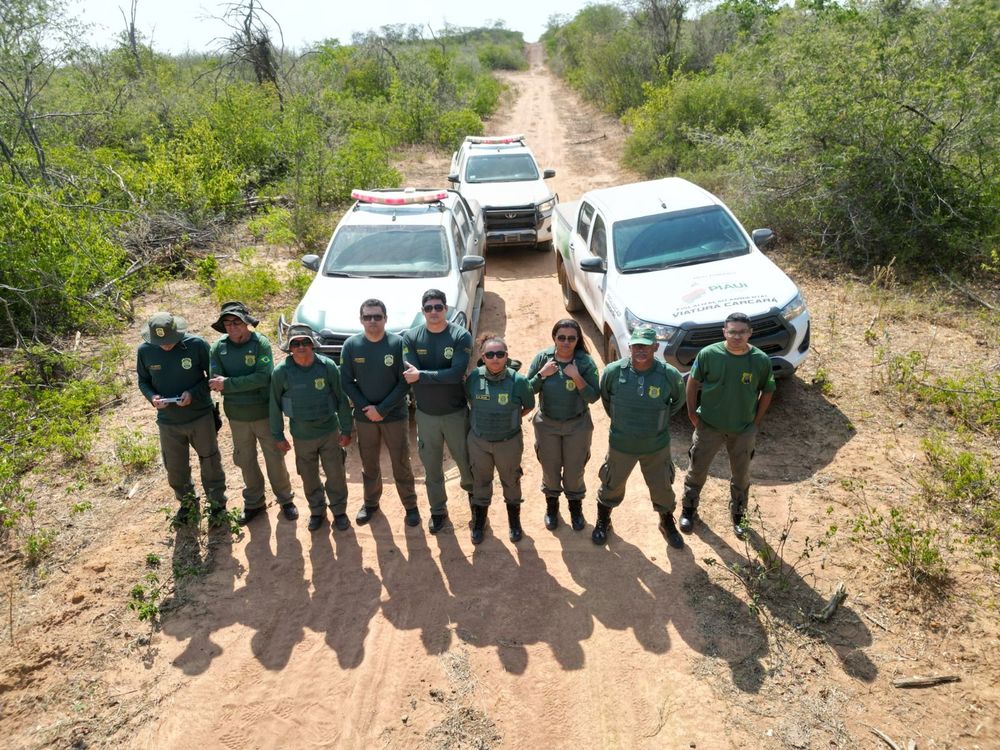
x,y
509,603
792,600
345,594
625,590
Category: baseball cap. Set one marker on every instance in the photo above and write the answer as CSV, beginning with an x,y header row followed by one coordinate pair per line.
x,y
164,328
643,335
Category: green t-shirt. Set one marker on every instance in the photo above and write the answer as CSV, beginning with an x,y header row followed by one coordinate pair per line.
x,y
558,394
247,369
372,375
169,373
731,385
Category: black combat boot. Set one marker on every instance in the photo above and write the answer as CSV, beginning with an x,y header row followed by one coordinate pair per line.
x,y
551,513
600,535
478,523
687,520
514,522
669,530
576,514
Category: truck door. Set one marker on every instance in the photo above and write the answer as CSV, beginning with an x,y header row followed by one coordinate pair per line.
x,y
591,287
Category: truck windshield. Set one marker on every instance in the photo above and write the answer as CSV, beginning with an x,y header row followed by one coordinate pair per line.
x,y
501,168
411,251
680,238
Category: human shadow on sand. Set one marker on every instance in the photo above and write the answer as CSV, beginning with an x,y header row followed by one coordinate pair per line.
x,y
508,602
793,600
625,590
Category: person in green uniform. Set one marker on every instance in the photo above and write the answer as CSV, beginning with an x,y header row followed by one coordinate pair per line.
x,y
306,388
371,372
566,380
640,393
437,355
172,371
241,366
736,381
499,398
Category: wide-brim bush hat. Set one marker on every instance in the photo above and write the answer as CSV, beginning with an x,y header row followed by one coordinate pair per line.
x,y
237,310
300,331
164,328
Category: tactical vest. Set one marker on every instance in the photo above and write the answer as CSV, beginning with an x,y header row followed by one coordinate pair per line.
x,y
496,414
308,396
640,414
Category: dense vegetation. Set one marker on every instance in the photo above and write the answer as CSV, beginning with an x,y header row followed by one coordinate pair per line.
x,y
114,163
867,130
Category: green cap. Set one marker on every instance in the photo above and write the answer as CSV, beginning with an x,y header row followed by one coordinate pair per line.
x,y
643,335
164,328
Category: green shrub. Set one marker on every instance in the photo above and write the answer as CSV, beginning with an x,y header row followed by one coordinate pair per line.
x,y
453,126
135,451
273,226
502,57
250,284
362,162
906,546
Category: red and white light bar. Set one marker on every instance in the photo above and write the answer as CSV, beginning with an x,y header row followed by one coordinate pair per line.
x,y
399,197
493,139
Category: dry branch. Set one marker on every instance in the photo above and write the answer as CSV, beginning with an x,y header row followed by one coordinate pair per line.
x,y
836,599
885,738
601,137
919,682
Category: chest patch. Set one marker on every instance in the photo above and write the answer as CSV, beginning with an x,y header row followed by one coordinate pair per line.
x,y
186,363
654,391
482,397
319,383
422,352
747,378
359,360
449,352
570,385
250,360
388,359
503,399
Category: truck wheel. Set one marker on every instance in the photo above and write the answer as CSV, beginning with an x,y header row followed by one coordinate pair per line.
x,y
611,353
544,247
571,300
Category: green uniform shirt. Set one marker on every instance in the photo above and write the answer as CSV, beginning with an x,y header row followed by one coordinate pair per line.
x,y
559,396
497,402
442,359
311,397
640,405
371,373
247,369
731,385
169,374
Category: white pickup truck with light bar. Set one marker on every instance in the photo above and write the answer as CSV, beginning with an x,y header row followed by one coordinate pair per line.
x,y
394,245
670,255
502,175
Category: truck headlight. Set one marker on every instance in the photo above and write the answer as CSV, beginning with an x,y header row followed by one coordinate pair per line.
x,y
794,308
664,333
547,205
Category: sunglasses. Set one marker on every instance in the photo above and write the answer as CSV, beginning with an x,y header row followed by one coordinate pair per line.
x,y
562,337
436,307
300,344
369,318
494,355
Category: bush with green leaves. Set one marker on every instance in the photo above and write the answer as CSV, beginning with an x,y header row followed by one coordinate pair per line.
x,y
252,284
135,451
908,547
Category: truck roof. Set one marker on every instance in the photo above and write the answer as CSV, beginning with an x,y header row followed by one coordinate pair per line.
x,y
650,197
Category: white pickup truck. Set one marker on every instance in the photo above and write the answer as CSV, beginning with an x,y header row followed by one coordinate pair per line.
x,y
670,255
501,174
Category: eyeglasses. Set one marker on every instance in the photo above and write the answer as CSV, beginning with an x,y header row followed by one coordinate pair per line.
x,y
744,332
562,337
372,318
300,344
494,355
436,307
232,323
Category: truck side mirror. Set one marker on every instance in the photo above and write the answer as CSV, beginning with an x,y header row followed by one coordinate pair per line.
x,y
472,262
594,265
311,262
453,177
546,174
762,237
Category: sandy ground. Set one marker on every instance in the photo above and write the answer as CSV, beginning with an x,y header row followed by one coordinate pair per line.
x,y
387,637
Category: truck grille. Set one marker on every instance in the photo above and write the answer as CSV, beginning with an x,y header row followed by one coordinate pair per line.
x,y
512,218
770,335
330,344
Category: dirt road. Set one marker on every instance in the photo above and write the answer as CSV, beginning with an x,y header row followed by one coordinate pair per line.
x,y
388,637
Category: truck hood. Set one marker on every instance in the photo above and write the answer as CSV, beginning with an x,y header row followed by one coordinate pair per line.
x,y
334,303
708,292
500,194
